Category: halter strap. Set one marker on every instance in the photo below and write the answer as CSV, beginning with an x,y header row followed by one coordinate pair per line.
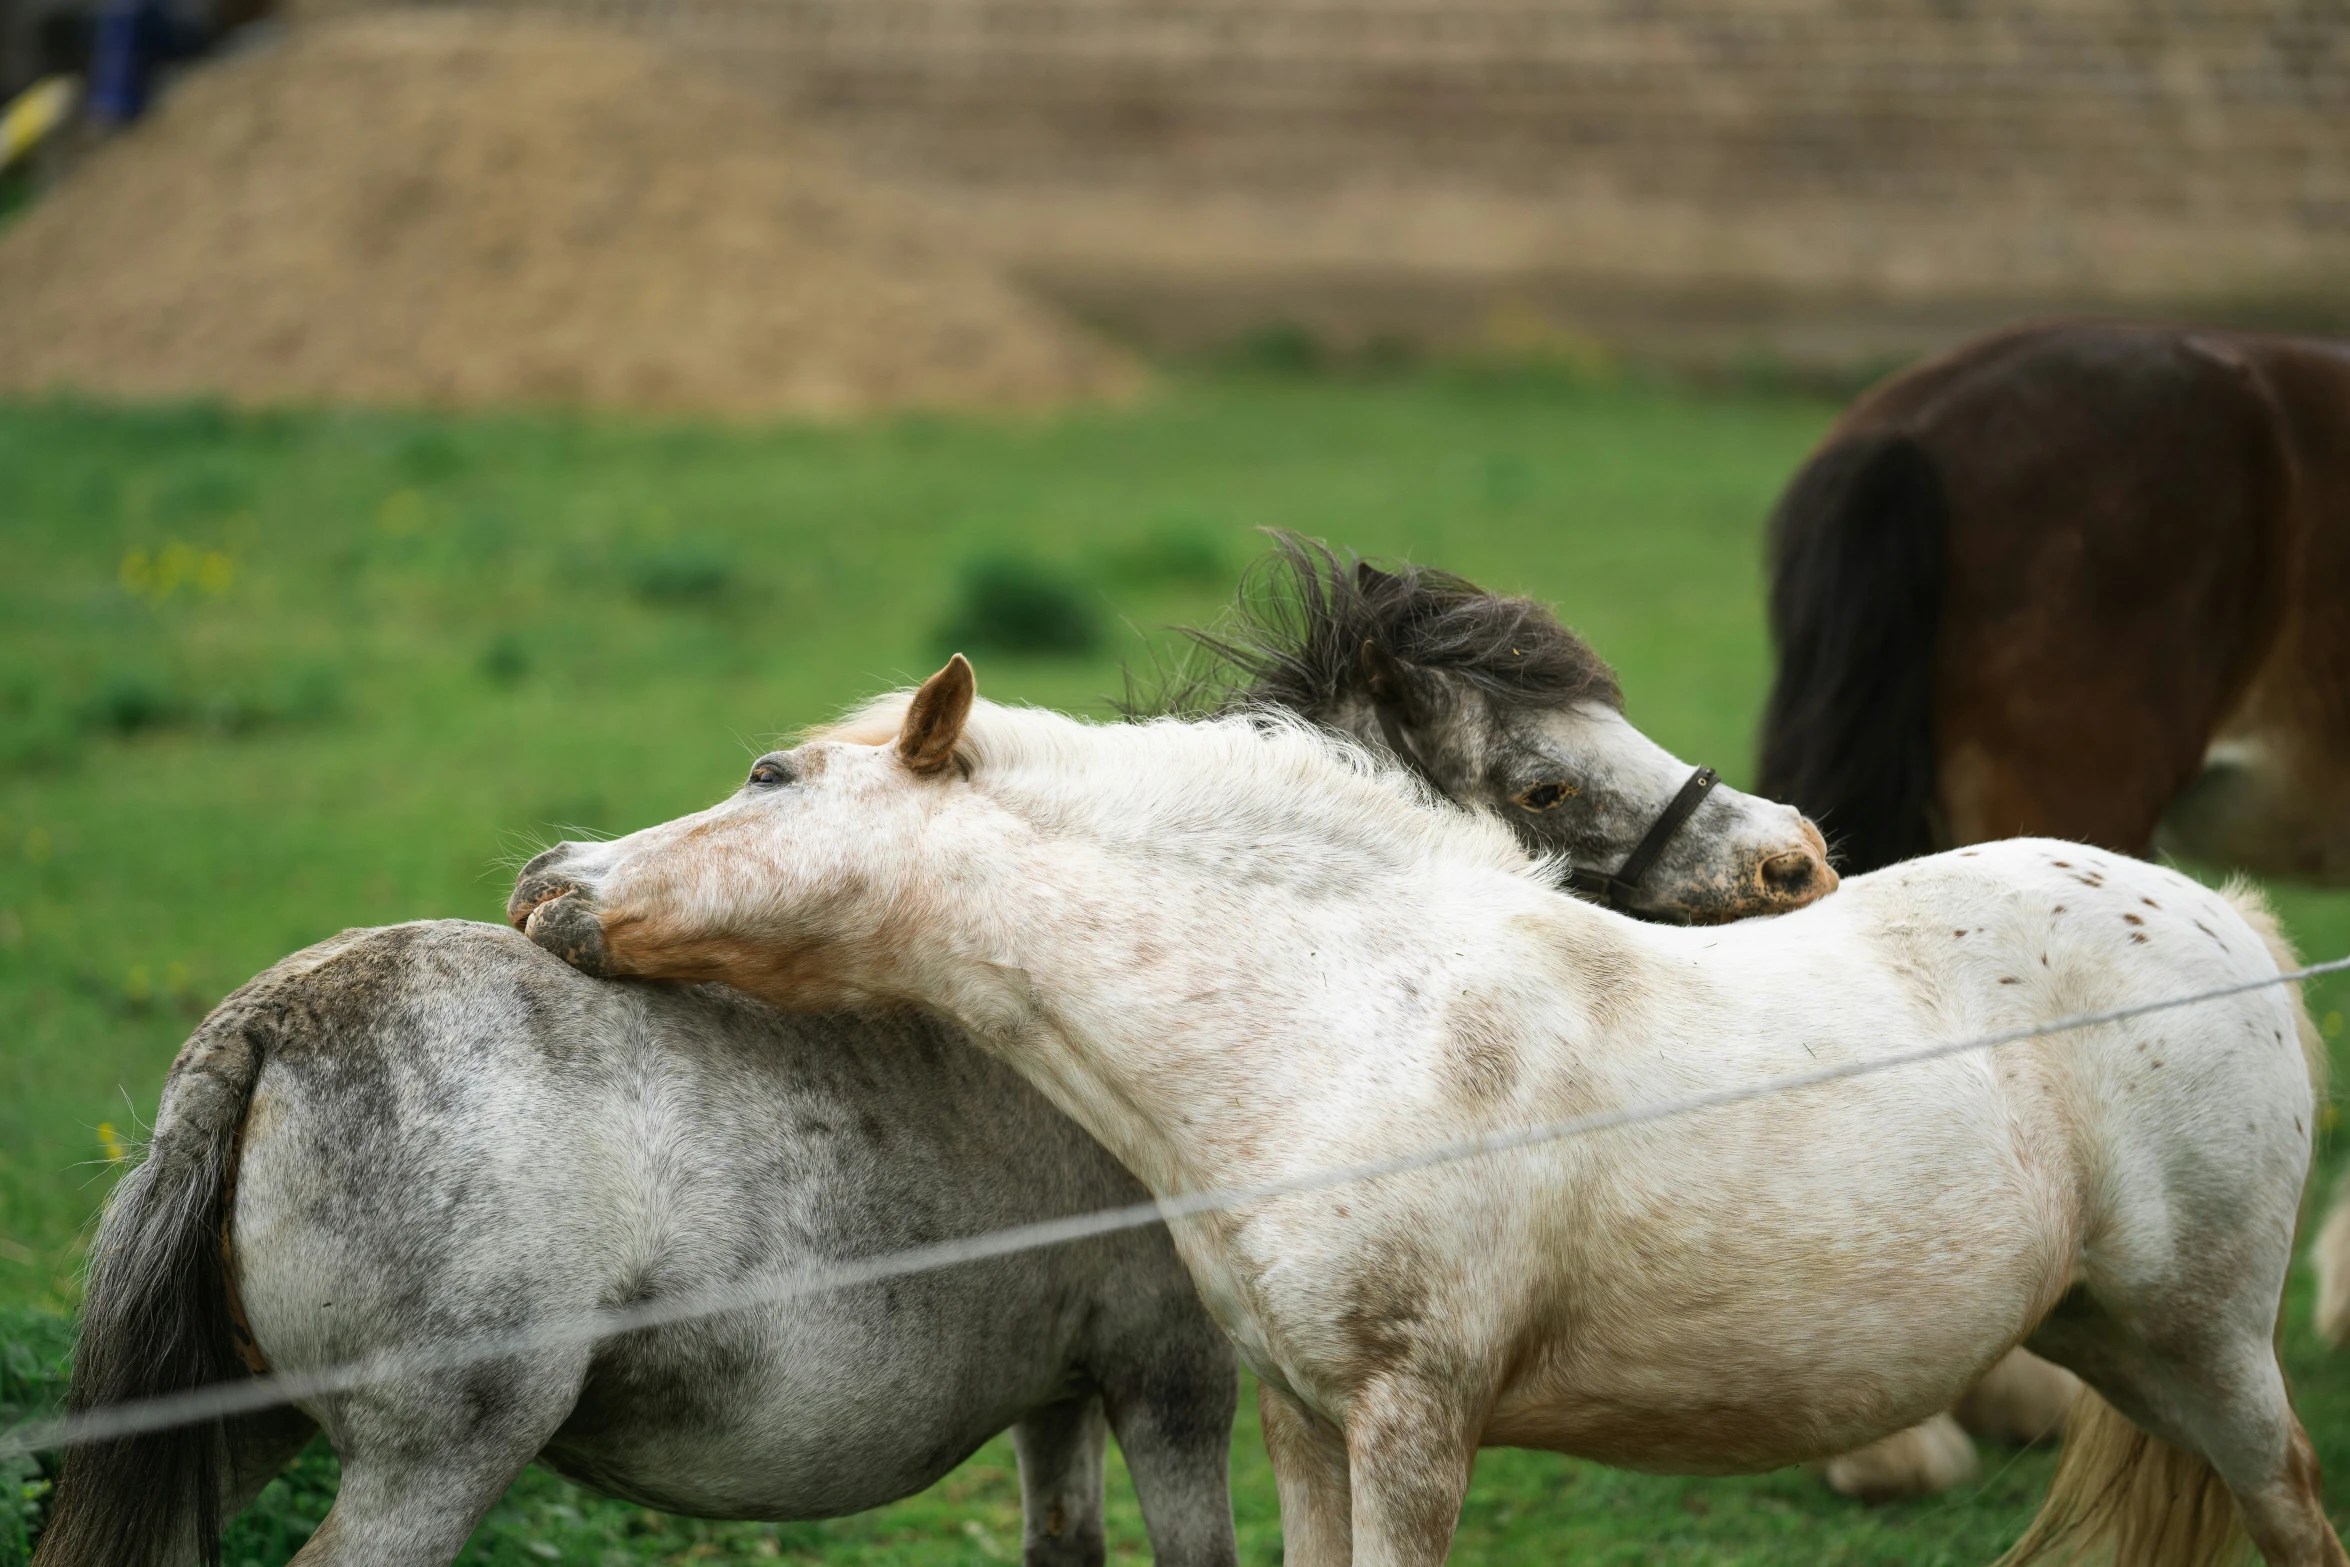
x,y
1615,888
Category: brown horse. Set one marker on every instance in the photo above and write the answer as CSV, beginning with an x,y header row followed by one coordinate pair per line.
x,y
2086,581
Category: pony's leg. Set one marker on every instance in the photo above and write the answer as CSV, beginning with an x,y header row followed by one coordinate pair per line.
x,y
2259,1448
1310,1472
2020,1401
1061,1451
260,1447
2212,1399
2332,1255
1176,1432
1409,1456
2243,1423
424,1459
1931,1456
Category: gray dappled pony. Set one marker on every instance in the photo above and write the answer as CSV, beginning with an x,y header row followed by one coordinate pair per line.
x,y
408,1136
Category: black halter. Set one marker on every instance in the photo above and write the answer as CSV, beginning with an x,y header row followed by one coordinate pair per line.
x,y
1614,888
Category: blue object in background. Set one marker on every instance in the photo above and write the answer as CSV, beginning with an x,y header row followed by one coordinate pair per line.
x,y
132,40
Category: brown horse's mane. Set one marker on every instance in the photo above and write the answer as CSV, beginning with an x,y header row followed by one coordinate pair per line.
x,y
1295,638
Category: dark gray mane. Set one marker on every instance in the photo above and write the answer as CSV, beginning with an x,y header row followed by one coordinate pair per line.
x,y
1295,639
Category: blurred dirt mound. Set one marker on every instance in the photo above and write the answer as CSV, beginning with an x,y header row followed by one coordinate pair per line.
x,y
453,209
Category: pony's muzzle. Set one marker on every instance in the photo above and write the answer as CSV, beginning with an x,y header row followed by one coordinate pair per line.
x,y
1791,875
569,927
555,912
540,882
1801,875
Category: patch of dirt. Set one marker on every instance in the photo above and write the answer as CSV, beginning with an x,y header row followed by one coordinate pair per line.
x,y
452,209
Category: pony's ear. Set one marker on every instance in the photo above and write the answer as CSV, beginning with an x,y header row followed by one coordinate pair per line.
x,y
934,723
1390,680
1369,578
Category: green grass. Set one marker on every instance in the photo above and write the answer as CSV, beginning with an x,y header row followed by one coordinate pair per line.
x,y
266,676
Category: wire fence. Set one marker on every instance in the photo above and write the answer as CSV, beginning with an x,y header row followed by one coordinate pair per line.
x,y
225,1400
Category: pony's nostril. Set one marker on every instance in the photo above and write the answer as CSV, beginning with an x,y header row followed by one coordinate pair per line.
x,y
1790,874
545,858
531,891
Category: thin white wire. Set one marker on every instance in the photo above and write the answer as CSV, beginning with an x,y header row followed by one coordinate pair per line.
x,y
223,1400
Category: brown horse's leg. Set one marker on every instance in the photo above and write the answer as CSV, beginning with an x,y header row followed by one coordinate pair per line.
x,y
2266,804
2276,795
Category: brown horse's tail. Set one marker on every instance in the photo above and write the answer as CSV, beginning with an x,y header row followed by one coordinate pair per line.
x,y
157,1319
1856,558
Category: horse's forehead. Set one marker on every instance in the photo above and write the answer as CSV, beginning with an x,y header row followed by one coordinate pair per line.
x,y
1571,725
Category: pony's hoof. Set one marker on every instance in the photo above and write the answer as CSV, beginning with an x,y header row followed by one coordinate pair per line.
x,y
1930,1457
568,926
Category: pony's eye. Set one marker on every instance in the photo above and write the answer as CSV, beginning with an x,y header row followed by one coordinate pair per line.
x,y
1543,796
768,774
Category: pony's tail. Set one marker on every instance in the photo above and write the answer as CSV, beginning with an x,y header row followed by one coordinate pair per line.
x,y
2122,1496
157,1319
1857,551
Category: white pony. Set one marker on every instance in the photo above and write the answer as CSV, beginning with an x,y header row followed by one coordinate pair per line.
x,y
1236,952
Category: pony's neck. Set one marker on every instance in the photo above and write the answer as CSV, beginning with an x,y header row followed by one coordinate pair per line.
x,y
1179,1017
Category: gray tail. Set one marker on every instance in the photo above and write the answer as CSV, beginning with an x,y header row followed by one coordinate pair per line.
x,y
1857,569
156,1319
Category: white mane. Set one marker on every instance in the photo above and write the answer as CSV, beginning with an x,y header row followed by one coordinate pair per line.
x,y
1263,778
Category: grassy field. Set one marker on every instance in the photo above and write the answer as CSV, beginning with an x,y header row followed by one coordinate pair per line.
x,y
264,677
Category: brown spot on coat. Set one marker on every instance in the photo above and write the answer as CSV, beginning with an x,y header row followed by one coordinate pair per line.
x,y
1480,1053
1386,1301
